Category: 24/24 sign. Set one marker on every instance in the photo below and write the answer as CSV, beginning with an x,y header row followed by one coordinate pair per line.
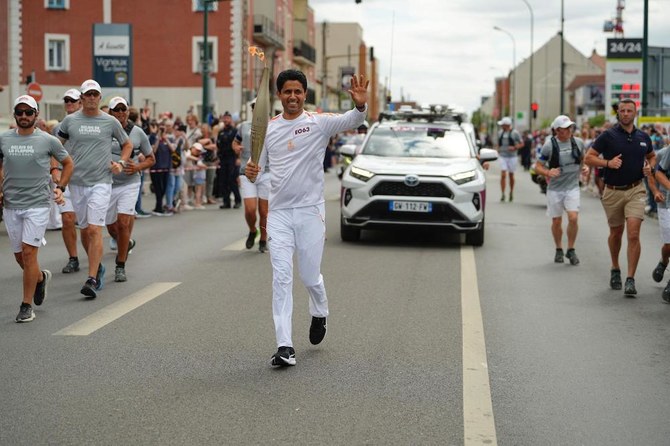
x,y
624,48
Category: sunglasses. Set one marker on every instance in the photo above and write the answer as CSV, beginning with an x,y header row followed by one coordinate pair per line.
x,y
92,93
119,109
70,100
28,112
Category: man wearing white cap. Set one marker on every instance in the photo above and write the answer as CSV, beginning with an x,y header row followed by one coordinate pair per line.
x,y
91,132
72,103
560,161
25,158
126,185
509,141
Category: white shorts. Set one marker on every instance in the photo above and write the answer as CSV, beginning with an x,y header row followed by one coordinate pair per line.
x,y
67,206
664,224
508,164
90,203
26,226
560,201
259,189
122,201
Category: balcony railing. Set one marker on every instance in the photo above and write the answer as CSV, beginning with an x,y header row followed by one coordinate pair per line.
x,y
304,53
266,32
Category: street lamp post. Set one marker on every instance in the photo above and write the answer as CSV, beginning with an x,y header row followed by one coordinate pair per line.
x,y
511,105
530,79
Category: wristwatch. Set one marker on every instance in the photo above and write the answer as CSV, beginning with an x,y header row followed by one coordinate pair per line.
x,y
123,163
62,188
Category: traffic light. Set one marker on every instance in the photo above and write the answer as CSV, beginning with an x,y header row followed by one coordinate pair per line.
x,y
388,98
29,79
534,107
358,1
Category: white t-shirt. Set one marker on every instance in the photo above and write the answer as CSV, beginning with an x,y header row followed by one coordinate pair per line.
x,y
295,150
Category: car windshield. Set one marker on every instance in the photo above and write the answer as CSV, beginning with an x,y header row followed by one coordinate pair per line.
x,y
417,142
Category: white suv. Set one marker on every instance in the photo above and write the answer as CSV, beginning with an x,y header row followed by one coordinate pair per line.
x,y
419,171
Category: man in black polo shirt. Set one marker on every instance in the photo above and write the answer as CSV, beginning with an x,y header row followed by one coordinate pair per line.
x,y
627,157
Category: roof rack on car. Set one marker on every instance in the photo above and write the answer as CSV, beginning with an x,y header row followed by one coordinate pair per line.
x,y
432,113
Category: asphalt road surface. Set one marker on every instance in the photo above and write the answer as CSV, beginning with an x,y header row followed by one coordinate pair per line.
x,y
429,341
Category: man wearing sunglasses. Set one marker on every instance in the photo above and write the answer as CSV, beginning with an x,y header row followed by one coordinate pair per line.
x,y
72,103
90,132
126,185
627,156
25,158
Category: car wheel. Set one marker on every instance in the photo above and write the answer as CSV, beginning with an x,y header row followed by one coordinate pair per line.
x,y
349,233
475,238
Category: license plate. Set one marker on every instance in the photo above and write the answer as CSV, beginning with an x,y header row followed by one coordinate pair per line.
x,y
410,206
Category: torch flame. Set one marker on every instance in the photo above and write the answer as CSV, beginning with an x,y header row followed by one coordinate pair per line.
x,y
256,51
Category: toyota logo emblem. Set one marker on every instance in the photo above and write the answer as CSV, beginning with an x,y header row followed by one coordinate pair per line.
x,y
412,180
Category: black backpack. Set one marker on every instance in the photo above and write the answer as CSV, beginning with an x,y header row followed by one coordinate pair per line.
x,y
555,159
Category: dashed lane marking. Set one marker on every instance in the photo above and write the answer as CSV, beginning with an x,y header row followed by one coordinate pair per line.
x,y
116,310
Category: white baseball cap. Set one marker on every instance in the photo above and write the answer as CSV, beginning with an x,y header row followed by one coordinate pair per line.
x,y
562,122
28,100
72,93
89,85
198,146
116,100
505,121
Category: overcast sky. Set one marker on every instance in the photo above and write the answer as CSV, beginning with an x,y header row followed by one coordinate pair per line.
x,y
446,51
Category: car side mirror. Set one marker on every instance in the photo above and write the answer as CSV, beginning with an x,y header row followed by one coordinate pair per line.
x,y
487,155
348,150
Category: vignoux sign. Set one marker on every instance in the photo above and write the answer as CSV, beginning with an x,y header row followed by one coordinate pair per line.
x,y
112,59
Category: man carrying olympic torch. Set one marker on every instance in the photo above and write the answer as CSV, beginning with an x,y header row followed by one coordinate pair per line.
x,y
294,147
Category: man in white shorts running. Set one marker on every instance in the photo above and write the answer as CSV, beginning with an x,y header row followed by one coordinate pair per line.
x,y
294,147
91,131
25,159
254,195
126,185
509,141
72,103
663,207
561,158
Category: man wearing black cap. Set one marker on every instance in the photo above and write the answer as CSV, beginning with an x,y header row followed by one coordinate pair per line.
x,y
229,159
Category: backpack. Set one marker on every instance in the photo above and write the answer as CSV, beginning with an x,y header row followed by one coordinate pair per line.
x,y
555,159
175,156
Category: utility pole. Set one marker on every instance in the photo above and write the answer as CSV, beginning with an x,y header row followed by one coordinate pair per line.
x,y
645,55
324,68
562,92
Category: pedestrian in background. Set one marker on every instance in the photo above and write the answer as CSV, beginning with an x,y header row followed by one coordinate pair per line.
x,y
661,176
25,159
560,161
509,141
628,157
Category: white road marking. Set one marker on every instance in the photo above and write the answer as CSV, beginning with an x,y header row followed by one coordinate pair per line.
x,y
239,245
114,311
478,422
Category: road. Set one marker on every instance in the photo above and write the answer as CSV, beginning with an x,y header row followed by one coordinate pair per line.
x,y
180,353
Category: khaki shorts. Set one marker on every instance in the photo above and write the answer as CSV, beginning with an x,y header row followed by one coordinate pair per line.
x,y
622,204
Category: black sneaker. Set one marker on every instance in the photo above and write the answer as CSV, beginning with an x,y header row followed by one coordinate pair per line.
x,y
237,205
629,288
89,288
72,266
251,239
658,272
317,331
120,274
131,245
26,314
502,198
615,279
262,246
100,277
572,256
666,293
285,356
558,257
41,288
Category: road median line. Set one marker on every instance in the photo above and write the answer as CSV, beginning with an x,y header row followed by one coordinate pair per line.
x,y
112,312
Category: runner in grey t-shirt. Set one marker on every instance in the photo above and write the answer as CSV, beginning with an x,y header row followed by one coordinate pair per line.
x,y
25,159
91,132
562,172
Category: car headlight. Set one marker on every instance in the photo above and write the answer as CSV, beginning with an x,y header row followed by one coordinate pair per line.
x,y
464,177
361,174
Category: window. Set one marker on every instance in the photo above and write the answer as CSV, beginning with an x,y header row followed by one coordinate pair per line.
x,y
199,5
57,4
198,53
57,52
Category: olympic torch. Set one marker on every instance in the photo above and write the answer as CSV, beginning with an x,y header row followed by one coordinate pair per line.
x,y
261,113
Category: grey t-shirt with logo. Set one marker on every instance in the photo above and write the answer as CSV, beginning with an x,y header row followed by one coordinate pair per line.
x,y
91,148
141,145
570,167
26,160
663,162
508,139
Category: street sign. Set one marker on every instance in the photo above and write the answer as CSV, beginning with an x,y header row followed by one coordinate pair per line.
x,y
35,90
